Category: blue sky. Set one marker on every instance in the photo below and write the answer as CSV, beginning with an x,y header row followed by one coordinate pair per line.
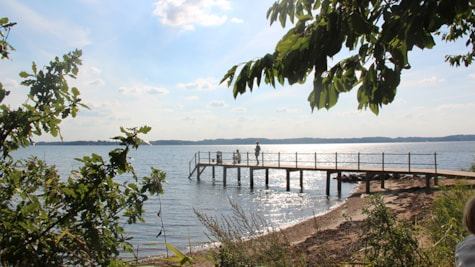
x,y
159,63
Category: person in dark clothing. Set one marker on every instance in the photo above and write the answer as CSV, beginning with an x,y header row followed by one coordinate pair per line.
x,y
257,151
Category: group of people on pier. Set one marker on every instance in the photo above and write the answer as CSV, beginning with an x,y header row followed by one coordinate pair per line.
x,y
237,155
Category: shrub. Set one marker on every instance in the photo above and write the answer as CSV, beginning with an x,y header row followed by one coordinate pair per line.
x,y
389,242
445,227
48,220
271,249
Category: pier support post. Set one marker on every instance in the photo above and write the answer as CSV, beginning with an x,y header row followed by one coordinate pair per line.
x,y
239,175
214,176
288,179
225,170
428,176
251,177
328,183
339,183
367,181
382,178
267,177
301,180
198,172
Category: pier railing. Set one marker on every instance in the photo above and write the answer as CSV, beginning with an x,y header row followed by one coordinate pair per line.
x,y
359,160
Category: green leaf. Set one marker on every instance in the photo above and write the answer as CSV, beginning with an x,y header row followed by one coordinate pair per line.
x,y
359,24
283,14
75,91
34,68
241,80
229,75
181,258
144,129
24,74
325,4
374,108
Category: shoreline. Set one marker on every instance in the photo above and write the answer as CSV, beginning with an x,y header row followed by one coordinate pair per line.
x,y
399,194
299,232
350,208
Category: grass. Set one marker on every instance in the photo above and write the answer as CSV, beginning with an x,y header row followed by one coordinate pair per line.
x,y
445,227
387,241
271,249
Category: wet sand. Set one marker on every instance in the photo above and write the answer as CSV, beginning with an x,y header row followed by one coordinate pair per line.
x,y
406,196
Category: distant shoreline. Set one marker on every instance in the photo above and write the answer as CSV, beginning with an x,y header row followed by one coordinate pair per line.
x,y
305,140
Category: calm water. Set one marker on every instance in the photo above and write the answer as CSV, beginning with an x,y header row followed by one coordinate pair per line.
x,y
280,208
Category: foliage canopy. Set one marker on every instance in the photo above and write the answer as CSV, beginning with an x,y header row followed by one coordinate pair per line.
x,y
378,35
48,220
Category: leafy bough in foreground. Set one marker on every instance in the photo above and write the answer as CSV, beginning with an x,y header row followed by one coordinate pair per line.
x,y
374,37
48,220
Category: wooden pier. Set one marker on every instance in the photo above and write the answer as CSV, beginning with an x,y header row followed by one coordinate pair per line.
x,y
331,163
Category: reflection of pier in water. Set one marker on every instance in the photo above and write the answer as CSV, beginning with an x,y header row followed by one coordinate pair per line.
x,y
332,163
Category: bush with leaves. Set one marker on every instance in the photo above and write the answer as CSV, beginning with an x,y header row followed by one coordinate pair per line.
x,y
445,226
242,243
389,242
52,220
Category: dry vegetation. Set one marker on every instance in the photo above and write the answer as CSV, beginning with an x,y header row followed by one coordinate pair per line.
x,y
335,237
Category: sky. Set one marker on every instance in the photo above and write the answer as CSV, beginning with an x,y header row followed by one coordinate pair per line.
x,y
159,63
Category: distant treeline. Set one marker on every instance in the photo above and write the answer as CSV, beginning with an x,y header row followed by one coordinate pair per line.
x,y
247,141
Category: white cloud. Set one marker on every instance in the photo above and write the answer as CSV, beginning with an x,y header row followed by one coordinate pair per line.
x,y
217,104
237,20
432,80
187,13
95,70
96,82
454,107
62,30
167,110
239,109
201,84
190,119
10,83
286,110
155,90
141,90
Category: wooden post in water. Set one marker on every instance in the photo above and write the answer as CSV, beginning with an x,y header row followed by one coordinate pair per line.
x,y
198,172
214,176
251,177
328,183
339,183
225,170
239,175
301,180
383,176
267,177
288,179
436,177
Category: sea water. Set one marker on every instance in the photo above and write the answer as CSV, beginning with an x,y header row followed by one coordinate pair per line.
x,y
178,224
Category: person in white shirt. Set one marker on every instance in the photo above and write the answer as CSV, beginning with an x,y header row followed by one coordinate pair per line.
x,y
465,250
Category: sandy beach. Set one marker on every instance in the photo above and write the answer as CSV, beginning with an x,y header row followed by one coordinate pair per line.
x,y
335,235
